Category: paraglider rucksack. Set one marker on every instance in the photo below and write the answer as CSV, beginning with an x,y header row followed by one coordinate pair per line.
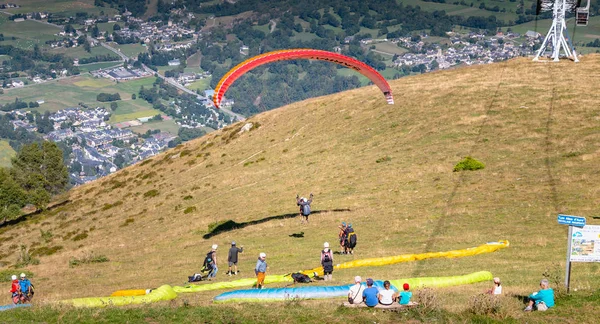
x,y
326,257
208,261
351,239
301,278
305,209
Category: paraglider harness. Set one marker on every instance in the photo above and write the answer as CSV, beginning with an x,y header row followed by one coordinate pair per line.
x,y
27,293
300,278
350,238
207,268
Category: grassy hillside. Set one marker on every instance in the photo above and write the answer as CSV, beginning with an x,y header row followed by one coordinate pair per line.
x,y
6,153
390,166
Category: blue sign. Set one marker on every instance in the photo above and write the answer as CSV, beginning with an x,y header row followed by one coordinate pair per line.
x,y
571,220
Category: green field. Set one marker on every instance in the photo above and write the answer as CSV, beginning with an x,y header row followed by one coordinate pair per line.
x,y
60,94
390,48
202,84
131,50
96,66
27,33
80,52
165,126
6,153
118,117
62,7
108,27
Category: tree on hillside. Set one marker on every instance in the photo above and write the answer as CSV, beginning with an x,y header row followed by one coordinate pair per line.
x,y
39,168
12,197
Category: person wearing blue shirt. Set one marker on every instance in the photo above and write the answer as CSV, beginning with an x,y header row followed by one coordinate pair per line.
x,y
542,299
370,294
405,295
261,270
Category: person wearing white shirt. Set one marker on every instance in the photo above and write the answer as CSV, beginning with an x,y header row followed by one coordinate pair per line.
x,y
355,295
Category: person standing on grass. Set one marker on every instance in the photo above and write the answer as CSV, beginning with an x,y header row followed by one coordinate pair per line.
x,y
342,236
26,290
327,261
213,263
15,290
261,270
304,207
232,258
543,299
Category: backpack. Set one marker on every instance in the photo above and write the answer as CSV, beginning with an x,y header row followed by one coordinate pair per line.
x,y
208,261
306,209
326,257
301,278
351,239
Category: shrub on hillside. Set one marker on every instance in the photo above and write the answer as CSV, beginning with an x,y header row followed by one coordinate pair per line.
x,y
81,236
88,258
151,193
383,159
468,163
427,300
45,250
484,304
25,258
190,209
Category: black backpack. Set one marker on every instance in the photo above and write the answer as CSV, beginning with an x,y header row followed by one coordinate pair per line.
x,y
208,261
351,239
326,257
301,278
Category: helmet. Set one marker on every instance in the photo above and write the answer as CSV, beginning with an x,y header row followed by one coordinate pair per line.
x,y
326,244
262,255
14,277
343,223
304,199
214,247
233,243
23,275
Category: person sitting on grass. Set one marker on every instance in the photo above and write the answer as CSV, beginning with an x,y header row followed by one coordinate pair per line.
x,y
355,295
497,289
406,295
386,296
542,299
370,294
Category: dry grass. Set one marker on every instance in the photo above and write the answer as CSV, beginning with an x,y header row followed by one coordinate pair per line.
x,y
519,118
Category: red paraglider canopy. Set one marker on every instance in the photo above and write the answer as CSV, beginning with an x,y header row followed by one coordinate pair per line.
x,y
308,54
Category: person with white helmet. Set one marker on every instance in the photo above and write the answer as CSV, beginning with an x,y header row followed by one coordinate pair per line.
x,y
327,261
15,289
261,270
211,258
25,288
232,258
304,207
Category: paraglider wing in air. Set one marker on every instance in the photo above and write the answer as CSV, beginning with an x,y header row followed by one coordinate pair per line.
x,y
294,54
